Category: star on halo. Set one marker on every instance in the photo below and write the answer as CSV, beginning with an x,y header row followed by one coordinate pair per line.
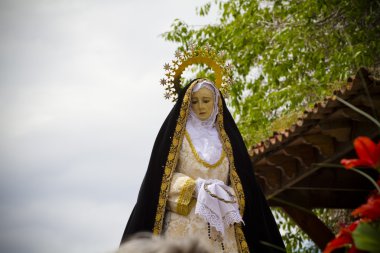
x,y
167,95
177,54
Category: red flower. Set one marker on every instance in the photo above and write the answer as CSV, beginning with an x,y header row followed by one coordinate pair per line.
x,y
343,239
370,210
368,153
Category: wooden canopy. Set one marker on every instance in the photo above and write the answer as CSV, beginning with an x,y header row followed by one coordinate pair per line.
x,y
289,165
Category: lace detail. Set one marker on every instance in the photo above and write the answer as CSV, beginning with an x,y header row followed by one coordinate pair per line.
x,y
210,217
215,221
217,213
232,217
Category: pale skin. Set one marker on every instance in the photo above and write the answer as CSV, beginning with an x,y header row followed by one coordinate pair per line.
x,y
202,103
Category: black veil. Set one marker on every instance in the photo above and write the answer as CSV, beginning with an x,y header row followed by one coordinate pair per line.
x,y
260,229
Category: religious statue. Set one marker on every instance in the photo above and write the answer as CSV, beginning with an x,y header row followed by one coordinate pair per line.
x,y
200,180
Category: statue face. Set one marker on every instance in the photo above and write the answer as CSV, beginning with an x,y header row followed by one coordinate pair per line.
x,y
202,103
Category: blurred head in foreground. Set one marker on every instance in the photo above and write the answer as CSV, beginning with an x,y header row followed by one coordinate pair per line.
x,y
146,243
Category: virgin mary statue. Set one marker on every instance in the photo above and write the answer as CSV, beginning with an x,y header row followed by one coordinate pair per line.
x,y
200,180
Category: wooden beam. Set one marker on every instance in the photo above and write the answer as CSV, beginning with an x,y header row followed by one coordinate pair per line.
x,y
272,174
323,143
304,153
339,128
290,165
311,225
321,198
338,178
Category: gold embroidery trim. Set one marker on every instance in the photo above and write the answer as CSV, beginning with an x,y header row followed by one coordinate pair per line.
x,y
240,238
171,161
234,178
185,196
199,159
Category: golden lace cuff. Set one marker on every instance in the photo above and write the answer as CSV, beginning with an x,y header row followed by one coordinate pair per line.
x,y
185,197
181,194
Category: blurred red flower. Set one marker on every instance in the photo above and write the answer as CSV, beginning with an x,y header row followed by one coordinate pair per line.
x,y
368,153
343,239
369,210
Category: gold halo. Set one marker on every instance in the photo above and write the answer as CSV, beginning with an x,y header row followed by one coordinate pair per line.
x,y
205,55
196,60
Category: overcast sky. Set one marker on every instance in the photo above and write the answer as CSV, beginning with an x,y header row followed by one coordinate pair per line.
x,y
80,107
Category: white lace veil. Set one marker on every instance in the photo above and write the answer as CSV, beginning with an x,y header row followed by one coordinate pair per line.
x,y
203,133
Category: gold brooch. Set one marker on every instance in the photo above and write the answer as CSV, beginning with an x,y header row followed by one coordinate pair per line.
x,y
196,55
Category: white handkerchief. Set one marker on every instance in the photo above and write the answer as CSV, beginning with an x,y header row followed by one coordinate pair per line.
x,y
215,211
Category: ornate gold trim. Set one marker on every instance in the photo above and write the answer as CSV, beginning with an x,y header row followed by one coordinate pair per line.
x,y
171,161
199,159
234,178
185,196
240,239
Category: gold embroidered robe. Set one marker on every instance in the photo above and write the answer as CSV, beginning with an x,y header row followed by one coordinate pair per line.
x,y
180,218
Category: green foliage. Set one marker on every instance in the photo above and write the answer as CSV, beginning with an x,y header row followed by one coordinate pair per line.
x,y
287,54
367,236
334,218
296,241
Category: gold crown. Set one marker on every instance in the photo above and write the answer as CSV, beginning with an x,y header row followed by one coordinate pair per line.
x,y
196,55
